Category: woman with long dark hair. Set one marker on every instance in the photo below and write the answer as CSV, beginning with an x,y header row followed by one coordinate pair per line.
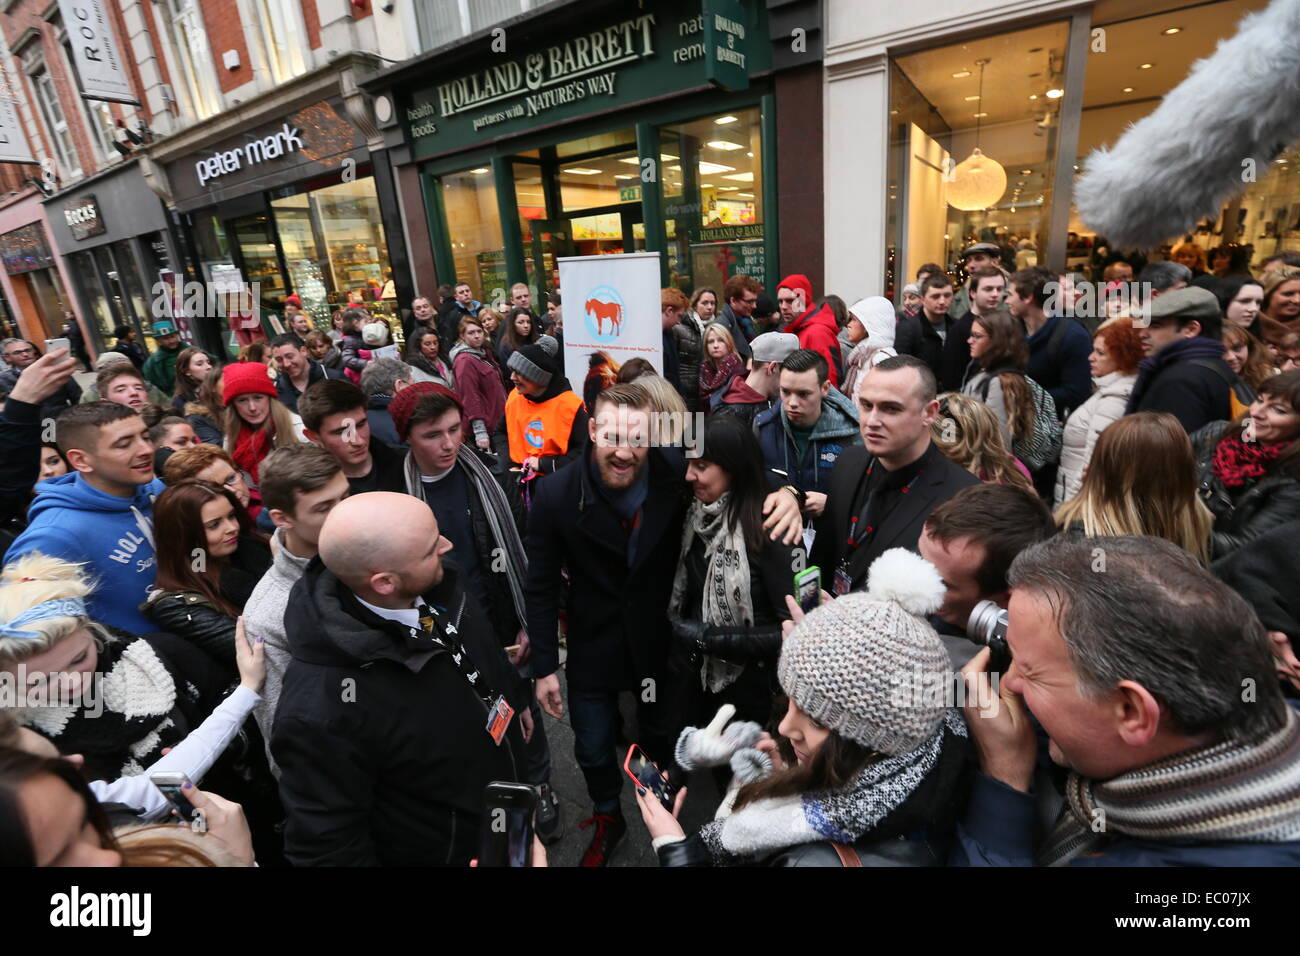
x,y
871,769
424,354
49,816
210,558
728,598
192,367
1242,299
1250,468
999,355
518,330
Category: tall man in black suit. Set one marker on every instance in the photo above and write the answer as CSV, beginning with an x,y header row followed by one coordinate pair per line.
x,y
881,493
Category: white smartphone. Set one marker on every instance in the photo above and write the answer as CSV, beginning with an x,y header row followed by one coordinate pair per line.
x,y
52,344
172,786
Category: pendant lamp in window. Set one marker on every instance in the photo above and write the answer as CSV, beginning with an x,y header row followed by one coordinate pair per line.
x,y
978,181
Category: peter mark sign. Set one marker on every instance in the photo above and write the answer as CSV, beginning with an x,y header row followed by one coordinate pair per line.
x,y
274,146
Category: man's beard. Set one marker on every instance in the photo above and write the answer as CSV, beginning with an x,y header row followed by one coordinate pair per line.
x,y
616,482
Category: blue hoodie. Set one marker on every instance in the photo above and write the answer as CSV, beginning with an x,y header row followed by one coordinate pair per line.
x,y
112,536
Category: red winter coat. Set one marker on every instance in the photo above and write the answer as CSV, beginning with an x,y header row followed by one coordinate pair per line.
x,y
478,385
817,330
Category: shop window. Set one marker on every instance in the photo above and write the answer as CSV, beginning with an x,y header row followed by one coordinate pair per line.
x,y
711,174
277,29
1000,95
189,57
474,229
537,232
1145,58
47,97
334,248
591,182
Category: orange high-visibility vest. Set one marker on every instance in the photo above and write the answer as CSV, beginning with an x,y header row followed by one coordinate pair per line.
x,y
540,430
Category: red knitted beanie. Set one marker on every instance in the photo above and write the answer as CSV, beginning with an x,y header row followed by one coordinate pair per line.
x,y
402,407
244,377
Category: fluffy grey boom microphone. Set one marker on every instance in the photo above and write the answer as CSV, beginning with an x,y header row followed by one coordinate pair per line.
x,y
1181,163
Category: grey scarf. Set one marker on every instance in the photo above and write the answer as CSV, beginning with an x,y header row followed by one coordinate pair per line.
x,y
726,601
497,509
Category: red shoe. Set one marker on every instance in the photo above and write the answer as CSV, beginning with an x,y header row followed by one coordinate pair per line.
x,y
609,830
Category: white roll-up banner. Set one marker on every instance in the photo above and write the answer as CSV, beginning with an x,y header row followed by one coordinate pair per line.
x,y
95,51
611,305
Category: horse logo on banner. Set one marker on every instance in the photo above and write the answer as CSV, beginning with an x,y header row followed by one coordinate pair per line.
x,y
603,308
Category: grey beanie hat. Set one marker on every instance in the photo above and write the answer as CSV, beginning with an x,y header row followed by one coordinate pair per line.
x,y
534,363
549,343
866,664
110,358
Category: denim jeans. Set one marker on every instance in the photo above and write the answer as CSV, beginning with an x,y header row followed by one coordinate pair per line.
x,y
595,718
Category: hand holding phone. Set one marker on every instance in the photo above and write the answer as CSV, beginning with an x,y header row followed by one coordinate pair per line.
x,y
646,774
807,588
172,785
507,834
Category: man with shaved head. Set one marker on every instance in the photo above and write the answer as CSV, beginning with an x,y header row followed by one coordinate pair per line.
x,y
399,705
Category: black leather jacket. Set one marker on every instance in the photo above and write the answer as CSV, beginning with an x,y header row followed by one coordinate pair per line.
x,y
1249,511
189,614
771,578
690,353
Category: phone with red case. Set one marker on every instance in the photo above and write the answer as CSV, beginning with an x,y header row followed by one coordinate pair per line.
x,y
645,773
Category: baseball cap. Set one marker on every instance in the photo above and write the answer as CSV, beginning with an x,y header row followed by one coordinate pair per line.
x,y
774,346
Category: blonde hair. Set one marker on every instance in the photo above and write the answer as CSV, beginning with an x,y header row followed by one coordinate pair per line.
x,y
34,579
167,845
668,407
722,332
280,420
977,444
1141,480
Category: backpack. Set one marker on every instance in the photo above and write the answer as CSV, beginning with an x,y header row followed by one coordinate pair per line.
x,y
1043,445
1240,395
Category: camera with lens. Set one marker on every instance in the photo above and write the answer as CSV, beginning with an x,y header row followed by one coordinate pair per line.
x,y
987,626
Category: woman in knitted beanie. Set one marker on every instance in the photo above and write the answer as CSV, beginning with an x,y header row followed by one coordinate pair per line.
x,y
728,598
881,764
256,420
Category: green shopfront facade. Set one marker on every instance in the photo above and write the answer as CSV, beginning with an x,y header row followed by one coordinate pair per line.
x,y
600,128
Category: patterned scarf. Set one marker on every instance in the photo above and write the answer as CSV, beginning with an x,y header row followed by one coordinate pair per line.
x,y
1238,462
714,376
726,601
1229,791
496,510
846,815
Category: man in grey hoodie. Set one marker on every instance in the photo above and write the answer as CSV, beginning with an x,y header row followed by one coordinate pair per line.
x,y
803,436
301,484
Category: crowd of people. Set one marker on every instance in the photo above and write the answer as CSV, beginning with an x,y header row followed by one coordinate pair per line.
x,y
339,582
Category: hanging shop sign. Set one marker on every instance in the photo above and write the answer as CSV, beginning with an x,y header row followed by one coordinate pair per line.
x,y
629,60
25,249
95,52
83,218
13,142
726,52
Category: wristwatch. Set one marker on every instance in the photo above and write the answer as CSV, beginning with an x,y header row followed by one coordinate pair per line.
x,y
799,496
